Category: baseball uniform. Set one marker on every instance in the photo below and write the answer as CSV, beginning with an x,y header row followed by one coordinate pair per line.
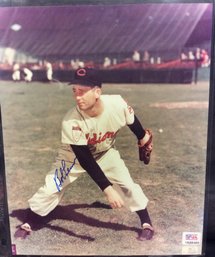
x,y
99,134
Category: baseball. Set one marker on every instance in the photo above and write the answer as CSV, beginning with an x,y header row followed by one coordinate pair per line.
x,y
160,130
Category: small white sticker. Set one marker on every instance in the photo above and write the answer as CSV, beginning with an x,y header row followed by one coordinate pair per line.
x,y
191,238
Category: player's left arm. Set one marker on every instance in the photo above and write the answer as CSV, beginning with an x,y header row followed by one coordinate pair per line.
x,y
141,134
134,124
144,136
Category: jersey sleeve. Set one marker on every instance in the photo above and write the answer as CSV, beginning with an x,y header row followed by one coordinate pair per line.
x,y
71,132
137,128
132,121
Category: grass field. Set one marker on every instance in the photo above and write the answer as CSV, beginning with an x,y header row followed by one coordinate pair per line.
x,y
83,224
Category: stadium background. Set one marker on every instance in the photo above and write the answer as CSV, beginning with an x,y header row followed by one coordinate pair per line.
x,y
88,34
112,31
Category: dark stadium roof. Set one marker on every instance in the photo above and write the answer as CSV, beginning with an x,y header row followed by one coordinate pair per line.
x,y
88,29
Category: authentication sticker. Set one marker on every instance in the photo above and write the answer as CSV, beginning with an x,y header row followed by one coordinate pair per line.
x,y
191,238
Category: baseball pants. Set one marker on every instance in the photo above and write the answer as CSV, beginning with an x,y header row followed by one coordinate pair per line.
x,y
66,170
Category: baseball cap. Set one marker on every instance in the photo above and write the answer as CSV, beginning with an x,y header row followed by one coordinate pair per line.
x,y
86,77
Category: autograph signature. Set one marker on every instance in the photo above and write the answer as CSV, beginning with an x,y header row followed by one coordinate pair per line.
x,y
62,173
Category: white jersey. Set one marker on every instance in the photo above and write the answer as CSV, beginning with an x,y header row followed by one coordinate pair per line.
x,y
99,132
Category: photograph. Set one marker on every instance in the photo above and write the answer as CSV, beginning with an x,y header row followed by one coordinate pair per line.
x,y
104,128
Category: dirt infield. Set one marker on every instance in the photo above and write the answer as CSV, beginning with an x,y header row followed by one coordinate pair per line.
x,y
83,224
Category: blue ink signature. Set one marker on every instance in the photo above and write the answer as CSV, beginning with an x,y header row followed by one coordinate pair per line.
x,y
62,173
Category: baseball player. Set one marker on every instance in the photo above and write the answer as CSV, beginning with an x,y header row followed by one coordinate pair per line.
x,y
28,74
49,71
16,72
88,136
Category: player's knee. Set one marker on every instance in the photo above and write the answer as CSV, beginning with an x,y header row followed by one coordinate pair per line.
x,y
129,187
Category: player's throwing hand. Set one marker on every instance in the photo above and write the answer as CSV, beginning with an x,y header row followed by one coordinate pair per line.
x,y
113,197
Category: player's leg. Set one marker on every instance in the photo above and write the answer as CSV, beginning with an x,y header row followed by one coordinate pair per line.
x,y
64,171
117,172
147,229
134,198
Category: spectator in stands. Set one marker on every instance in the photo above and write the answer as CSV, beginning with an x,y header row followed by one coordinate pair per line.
x,y
73,64
114,61
152,60
136,56
205,58
146,56
198,54
16,76
61,65
183,56
77,64
191,56
80,64
158,60
107,62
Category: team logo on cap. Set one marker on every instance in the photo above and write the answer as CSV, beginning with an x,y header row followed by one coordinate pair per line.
x,y
81,72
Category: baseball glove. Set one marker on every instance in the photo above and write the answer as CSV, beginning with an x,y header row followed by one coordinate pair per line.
x,y
145,151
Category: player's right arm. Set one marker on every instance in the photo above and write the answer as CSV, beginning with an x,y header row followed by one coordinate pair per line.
x,y
89,164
